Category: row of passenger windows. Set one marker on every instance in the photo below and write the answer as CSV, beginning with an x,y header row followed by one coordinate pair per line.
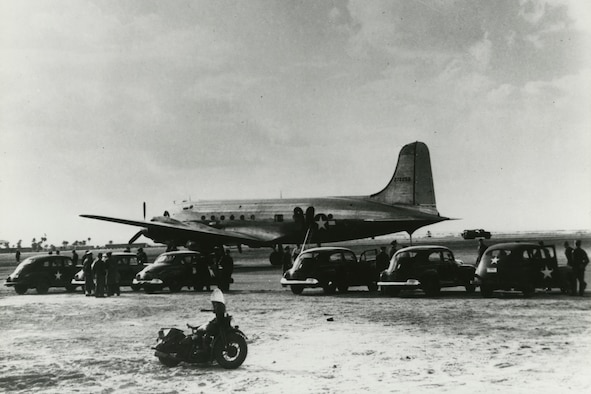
x,y
223,217
277,218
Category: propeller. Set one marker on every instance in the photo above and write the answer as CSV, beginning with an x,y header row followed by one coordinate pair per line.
x,y
144,210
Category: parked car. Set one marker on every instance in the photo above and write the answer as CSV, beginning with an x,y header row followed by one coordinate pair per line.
x,y
330,268
473,234
523,267
42,272
175,270
127,265
428,268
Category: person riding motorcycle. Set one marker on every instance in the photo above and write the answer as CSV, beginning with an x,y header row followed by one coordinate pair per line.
x,y
204,332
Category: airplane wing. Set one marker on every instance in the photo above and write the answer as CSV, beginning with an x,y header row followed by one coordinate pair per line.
x,y
178,229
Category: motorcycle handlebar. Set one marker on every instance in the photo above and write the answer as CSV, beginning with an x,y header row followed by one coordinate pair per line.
x,y
206,310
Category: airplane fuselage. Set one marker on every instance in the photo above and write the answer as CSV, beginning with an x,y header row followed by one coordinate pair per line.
x,y
286,221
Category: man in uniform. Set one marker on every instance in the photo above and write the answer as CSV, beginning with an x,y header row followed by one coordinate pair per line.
x,y
286,259
481,248
142,257
382,260
88,276
579,262
112,276
99,272
226,264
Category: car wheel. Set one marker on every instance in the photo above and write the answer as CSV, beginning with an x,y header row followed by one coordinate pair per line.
x,y
470,288
528,290
149,289
20,289
390,291
431,286
297,289
373,286
175,287
42,287
486,291
329,288
169,362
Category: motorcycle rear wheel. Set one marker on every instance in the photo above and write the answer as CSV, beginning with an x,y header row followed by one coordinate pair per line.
x,y
169,362
233,355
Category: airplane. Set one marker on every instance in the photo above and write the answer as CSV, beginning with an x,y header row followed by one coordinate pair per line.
x,y
407,203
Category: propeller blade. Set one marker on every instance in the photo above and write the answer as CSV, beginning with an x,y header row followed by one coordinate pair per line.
x,y
144,210
136,236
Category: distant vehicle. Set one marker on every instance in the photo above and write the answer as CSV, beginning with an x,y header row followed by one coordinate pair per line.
x,y
473,234
127,265
330,268
175,270
42,272
523,267
428,268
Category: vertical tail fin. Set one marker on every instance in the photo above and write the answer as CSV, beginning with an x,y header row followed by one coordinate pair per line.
x,y
412,183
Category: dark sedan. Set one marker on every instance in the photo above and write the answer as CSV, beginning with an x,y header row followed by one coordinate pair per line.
x,y
330,268
428,268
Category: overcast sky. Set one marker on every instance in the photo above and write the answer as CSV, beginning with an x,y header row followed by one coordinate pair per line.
x,y
105,104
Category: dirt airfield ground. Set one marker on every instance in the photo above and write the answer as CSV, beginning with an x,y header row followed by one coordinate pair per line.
x,y
65,342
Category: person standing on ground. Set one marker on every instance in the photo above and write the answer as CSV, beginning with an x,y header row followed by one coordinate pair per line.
x,y
579,263
74,257
481,248
88,275
142,257
112,276
382,260
393,248
17,255
286,259
99,272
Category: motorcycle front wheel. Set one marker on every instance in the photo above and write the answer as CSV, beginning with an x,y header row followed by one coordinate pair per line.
x,y
233,355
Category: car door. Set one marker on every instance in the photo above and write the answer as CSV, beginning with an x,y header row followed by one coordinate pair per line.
x,y
356,275
448,269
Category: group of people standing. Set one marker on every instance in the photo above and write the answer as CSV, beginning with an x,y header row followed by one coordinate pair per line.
x,y
101,275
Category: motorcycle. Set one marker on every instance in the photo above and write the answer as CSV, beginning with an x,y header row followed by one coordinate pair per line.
x,y
226,345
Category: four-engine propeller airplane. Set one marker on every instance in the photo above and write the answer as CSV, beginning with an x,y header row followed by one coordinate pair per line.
x,y
407,203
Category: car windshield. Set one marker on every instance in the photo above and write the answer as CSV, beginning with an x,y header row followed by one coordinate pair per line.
x,y
165,259
402,259
495,256
22,265
304,260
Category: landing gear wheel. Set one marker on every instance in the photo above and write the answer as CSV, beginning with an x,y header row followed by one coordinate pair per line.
x,y
296,289
20,289
169,362
233,354
42,287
